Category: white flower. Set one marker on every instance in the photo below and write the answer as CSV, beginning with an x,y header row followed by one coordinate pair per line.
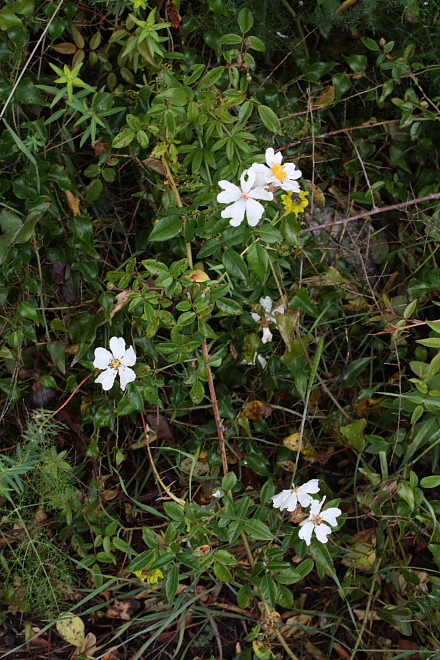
x,y
115,363
285,176
217,493
243,200
316,522
267,336
289,499
269,317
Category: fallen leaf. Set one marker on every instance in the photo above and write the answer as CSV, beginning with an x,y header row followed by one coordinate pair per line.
x,y
161,425
408,645
154,164
89,646
124,610
121,300
58,271
71,629
372,616
343,653
318,195
257,409
73,203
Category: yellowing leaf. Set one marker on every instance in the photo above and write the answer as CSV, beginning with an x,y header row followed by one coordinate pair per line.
x,y
71,629
257,409
198,276
73,203
325,98
292,442
65,48
318,195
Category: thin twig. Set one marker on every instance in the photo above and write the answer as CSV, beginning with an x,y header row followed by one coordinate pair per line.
x,y
218,421
296,143
67,400
153,466
179,204
366,214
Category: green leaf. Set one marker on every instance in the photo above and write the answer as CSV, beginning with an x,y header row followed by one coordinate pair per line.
x,y
235,265
357,63
430,482
245,596
24,7
123,139
172,583
269,119
95,190
8,19
229,306
58,355
166,228
14,230
431,342
218,7
229,481
197,392
294,575
255,43
258,260
245,19
29,311
257,530
211,78
371,44
354,434
268,589
231,40
175,96
223,573
341,83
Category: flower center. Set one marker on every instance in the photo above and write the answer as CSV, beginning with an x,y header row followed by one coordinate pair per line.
x,y
245,196
279,171
317,520
115,364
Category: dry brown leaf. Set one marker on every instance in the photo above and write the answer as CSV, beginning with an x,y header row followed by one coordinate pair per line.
x,y
294,443
372,616
161,425
154,164
73,203
257,409
121,300
121,610
343,653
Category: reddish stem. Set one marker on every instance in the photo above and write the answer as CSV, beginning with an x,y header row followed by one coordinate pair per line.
x,y
218,421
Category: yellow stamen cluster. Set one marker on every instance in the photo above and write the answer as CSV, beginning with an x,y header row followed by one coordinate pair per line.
x,y
279,171
150,577
115,364
295,206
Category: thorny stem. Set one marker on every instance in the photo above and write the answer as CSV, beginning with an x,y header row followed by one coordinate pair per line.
x,y
218,421
366,214
179,204
153,466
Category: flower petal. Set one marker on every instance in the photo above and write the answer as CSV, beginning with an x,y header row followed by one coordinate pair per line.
x,y
322,531
129,357
267,336
266,303
282,500
306,531
103,357
262,361
261,174
290,185
279,310
126,375
236,212
256,317
292,171
304,499
232,193
117,347
331,515
260,193
254,212
316,507
107,378
272,157
247,180
311,486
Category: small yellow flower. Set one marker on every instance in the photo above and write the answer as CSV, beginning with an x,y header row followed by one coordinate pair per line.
x,y
292,205
150,577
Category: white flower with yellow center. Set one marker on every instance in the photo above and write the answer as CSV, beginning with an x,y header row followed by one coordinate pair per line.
x,y
288,500
269,317
316,522
243,200
116,363
283,176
